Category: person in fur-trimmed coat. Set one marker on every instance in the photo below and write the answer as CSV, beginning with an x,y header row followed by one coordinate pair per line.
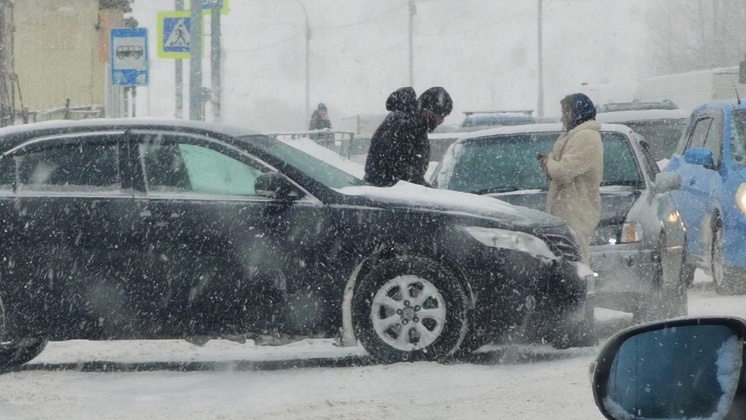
x,y
574,170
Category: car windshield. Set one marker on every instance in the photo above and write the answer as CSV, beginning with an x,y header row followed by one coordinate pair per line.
x,y
318,169
508,163
662,136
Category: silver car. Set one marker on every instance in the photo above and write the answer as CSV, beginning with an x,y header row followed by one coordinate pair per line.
x,y
637,249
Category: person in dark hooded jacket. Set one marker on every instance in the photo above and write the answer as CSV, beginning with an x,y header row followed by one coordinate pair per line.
x,y
575,168
399,149
403,99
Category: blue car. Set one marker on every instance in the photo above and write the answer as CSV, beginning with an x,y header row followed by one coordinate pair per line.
x,y
711,159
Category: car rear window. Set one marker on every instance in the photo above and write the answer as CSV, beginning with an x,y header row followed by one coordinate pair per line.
x,y
73,167
508,163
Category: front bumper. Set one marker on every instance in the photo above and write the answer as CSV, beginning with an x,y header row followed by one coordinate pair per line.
x,y
624,273
533,298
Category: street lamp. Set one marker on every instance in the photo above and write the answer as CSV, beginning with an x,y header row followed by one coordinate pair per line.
x,y
540,13
308,60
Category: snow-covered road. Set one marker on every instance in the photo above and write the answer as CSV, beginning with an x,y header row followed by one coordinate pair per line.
x,y
313,379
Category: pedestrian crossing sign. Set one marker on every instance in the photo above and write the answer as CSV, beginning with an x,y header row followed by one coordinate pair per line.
x,y
174,38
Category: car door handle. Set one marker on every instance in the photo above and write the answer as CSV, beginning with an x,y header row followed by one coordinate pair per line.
x,y
146,213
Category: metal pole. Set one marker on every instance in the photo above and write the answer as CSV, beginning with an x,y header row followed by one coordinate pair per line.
x,y
134,101
308,61
412,12
540,45
308,69
216,57
179,75
195,61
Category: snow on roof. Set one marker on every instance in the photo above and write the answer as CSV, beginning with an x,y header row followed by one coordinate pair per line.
x,y
641,115
534,128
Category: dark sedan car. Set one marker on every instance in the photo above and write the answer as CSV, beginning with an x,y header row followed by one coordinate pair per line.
x,y
172,229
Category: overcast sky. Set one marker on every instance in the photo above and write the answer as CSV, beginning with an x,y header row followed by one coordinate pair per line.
x,y
483,51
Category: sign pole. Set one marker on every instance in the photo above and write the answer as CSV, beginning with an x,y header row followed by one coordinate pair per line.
x,y
195,60
216,58
179,75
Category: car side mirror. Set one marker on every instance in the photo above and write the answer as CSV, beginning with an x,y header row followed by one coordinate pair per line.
x,y
699,156
684,368
276,186
666,181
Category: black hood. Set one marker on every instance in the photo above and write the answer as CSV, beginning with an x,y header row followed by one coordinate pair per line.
x,y
403,99
463,204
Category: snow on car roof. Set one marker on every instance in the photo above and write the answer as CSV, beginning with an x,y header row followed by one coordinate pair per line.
x,y
534,128
641,115
113,123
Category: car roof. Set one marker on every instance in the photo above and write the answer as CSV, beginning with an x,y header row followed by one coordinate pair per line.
x,y
534,128
729,105
641,115
65,126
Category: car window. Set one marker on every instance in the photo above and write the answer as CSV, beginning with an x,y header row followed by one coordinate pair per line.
x,y
738,136
662,136
176,164
506,163
713,141
648,162
699,133
81,167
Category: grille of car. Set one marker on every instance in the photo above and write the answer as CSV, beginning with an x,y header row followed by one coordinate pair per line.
x,y
562,246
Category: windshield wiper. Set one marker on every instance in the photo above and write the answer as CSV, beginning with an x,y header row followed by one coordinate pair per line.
x,y
492,190
625,183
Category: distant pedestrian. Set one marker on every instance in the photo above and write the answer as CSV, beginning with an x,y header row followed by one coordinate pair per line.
x,y
320,119
575,168
400,149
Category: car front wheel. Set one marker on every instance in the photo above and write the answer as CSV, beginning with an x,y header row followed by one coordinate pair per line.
x,y
408,309
726,282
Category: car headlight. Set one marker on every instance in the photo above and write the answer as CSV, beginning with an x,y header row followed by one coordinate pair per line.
x,y
631,232
508,239
741,197
614,234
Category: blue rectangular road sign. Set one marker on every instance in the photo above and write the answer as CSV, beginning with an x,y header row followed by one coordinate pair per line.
x,y
128,52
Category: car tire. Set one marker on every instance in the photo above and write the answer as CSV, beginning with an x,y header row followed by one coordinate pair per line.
x,y
666,303
726,282
15,352
391,322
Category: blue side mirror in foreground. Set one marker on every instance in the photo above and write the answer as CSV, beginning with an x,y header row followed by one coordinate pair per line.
x,y
699,156
685,368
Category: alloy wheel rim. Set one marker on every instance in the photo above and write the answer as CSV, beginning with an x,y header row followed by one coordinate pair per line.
x,y
408,313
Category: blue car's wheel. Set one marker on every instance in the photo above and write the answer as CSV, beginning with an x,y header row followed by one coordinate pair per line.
x,y
726,281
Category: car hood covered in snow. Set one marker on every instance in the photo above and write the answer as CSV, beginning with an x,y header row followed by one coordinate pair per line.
x,y
405,194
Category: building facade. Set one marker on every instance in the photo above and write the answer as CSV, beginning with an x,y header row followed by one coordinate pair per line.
x,y
49,65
